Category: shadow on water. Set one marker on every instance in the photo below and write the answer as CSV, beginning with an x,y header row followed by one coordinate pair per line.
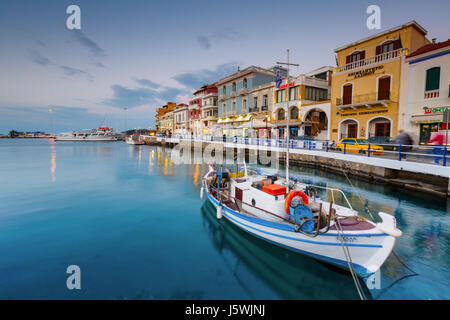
x,y
289,274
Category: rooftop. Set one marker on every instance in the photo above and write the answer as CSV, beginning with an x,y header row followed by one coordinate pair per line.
x,y
429,47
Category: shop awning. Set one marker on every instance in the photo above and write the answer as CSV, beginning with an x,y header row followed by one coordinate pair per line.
x,y
427,118
253,124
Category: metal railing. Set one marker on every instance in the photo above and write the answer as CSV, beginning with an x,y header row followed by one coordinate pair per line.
x,y
365,98
431,154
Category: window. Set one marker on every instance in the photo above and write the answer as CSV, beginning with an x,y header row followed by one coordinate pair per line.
x,y
384,88
255,103
234,86
433,79
280,114
281,95
354,57
244,104
294,113
245,83
265,100
316,94
293,93
224,90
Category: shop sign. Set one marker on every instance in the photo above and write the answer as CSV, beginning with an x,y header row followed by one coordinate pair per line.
x,y
282,86
361,113
429,110
365,72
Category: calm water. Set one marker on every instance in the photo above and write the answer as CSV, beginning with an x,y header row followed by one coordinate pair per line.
x,y
134,223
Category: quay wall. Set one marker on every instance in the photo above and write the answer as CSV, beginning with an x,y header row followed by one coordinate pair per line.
x,y
412,176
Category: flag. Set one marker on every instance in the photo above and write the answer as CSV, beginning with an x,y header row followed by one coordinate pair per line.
x,y
400,45
278,81
337,64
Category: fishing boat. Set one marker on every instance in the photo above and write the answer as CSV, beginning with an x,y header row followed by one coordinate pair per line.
x,y
100,134
134,139
293,215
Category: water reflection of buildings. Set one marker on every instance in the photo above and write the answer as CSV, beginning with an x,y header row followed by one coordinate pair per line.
x,y
53,160
289,274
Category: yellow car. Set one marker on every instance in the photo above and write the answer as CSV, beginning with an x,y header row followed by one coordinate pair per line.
x,y
358,146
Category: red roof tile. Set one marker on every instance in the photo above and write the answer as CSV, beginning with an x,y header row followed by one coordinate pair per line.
x,y
429,47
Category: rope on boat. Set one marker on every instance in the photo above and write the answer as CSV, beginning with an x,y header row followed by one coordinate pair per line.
x,y
349,260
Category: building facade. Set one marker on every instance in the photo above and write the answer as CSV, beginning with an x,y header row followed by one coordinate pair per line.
x,y
181,119
203,109
307,97
164,118
237,100
366,84
425,94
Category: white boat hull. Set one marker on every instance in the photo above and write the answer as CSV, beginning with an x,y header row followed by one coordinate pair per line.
x,y
68,138
368,249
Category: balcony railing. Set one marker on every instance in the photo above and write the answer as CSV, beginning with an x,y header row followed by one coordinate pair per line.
x,y
431,94
384,57
233,94
265,108
243,91
222,96
365,99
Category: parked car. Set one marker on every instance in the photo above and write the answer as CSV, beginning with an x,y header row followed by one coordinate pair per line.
x,y
358,146
386,142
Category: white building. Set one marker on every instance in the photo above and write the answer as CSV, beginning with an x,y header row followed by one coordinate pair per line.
x,y
181,119
425,91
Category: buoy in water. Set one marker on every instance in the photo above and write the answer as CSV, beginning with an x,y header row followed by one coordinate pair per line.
x,y
219,212
201,193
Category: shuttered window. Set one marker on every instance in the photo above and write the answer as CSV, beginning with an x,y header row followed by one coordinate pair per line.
x,y
433,79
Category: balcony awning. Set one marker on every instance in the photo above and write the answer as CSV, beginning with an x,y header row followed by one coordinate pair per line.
x,y
427,118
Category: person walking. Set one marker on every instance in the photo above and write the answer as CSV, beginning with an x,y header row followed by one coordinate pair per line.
x,y
437,140
404,141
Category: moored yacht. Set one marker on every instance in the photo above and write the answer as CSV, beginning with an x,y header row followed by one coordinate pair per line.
x,y
100,134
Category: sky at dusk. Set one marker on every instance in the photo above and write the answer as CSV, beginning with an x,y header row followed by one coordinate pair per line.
x,y
140,54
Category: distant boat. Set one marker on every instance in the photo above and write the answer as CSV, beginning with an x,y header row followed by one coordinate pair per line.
x,y
135,139
100,134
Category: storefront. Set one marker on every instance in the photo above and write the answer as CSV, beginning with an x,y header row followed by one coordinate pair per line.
x,y
429,122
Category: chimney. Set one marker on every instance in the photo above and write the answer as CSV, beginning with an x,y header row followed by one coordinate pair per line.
x,y
433,40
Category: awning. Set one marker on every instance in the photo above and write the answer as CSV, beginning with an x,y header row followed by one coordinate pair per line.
x,y
427,118
254,124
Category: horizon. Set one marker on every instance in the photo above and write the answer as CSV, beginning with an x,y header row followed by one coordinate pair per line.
x,y
141,55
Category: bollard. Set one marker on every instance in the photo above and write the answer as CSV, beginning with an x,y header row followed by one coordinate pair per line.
x,y
444,161
219,212
368,151
345,148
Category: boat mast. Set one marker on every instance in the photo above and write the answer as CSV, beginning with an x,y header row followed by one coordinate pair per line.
x,y
288,133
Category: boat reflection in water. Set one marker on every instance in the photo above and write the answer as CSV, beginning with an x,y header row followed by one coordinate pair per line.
x,y
289,274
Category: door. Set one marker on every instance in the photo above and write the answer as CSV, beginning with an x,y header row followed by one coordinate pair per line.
x,y
382,129
384,88
352,129
347,94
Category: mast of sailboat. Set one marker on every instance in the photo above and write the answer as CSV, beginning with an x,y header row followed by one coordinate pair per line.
x,y
288,64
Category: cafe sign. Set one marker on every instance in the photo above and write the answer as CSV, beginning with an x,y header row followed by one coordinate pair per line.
x,y
365,72
428,110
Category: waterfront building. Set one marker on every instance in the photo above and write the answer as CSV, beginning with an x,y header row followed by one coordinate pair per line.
x,y
425,94
262,98
181,119
236,99
203,109
308,99
164,118
366,83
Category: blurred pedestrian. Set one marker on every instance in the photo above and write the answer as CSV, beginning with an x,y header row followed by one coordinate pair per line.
x,y
405,143
438,140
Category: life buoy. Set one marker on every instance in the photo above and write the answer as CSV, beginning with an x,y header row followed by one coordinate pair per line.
x,y
291,195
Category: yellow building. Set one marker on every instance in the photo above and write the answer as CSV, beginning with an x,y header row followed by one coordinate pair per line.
x,y
366,86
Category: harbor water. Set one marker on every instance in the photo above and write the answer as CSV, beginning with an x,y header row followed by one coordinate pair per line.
x,y
134,223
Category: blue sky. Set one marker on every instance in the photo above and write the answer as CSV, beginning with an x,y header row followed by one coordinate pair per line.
x,y
139,54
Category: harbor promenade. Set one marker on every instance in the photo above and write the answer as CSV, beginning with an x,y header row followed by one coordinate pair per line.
x,y
414,169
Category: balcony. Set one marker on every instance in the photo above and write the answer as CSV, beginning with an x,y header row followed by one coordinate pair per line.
x,y
384,57
365,100
194,106
254,109
243,91
265,108
222,97
233,94
431,94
